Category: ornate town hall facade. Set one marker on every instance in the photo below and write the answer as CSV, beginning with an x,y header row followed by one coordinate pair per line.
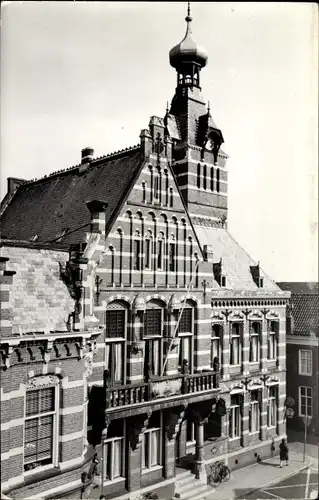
x,y
134,322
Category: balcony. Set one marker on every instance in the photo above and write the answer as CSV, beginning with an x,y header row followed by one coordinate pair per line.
x,y
161,389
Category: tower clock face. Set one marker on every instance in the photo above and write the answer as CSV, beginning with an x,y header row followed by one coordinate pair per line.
x,y
209,144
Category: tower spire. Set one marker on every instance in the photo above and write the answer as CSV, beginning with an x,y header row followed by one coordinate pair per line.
x,y
188,18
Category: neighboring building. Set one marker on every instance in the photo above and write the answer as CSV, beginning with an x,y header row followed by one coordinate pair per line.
x,y
302,353
190,362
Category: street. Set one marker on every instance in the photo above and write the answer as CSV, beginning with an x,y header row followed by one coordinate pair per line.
x,y
303,485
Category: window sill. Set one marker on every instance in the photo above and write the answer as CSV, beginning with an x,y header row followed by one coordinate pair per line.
x,y
113,481
152,469
234,439
253,433
40,473
305,374
271,427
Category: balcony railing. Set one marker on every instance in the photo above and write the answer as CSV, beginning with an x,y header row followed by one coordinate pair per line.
x,y
162,388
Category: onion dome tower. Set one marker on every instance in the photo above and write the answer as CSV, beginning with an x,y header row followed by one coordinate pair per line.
x,y
187,57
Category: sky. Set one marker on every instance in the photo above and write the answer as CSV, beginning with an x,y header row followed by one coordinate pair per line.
x,y
77,74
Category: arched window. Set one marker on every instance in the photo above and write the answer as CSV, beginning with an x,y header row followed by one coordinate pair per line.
x,y
120,234
190,247
198,175
171,197
166,187
111,248
212,179
156,186
217,180
144,191
160,251
205,177
152,183
137,251
148,250
172,255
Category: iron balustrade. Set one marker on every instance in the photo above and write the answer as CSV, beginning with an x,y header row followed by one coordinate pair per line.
x,y
161,388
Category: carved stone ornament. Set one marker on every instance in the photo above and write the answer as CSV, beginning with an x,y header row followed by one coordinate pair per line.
x,y
137,427
88,360
42,381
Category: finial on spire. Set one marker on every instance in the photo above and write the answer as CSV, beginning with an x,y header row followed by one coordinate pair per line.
x,y
167,108
208,108
188,18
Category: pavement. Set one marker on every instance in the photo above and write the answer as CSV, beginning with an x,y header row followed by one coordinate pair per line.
x,y
265,480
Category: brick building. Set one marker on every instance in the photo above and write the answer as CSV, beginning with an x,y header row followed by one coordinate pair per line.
x,y
302,353
129,255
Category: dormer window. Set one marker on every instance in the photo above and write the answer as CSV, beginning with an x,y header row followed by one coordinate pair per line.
x,y
257,275
261,282
223,281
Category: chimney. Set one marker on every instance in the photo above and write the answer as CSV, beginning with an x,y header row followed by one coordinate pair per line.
x,y
87,155
97,209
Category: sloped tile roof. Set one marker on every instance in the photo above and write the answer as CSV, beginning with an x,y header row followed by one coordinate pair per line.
x,y
50,206
236,261
305,302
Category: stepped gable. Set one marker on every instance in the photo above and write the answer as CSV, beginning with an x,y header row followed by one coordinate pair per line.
x,y
236,261
45,209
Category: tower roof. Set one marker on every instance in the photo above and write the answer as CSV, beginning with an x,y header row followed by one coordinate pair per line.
x,y
188,50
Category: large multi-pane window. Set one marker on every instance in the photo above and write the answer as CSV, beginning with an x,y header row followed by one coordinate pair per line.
x,y
254,412
215,346
151,443
185,333
305,362
234,417
115,344
255,332
272,340
305,401
39,427
235,344
272,407
153,341
113,448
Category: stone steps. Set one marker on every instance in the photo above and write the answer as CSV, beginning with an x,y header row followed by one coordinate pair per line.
x,y
189,488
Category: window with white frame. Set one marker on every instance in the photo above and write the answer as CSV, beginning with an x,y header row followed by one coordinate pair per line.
x,y
272,339
235,417
215,346
254,411
172,256
137,254
153,322
235,344
272,406
305,401
151,443
185,333
305,362
115,335
113,451
40,428
254,348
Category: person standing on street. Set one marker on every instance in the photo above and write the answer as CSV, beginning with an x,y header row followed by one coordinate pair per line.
x,y
283,454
